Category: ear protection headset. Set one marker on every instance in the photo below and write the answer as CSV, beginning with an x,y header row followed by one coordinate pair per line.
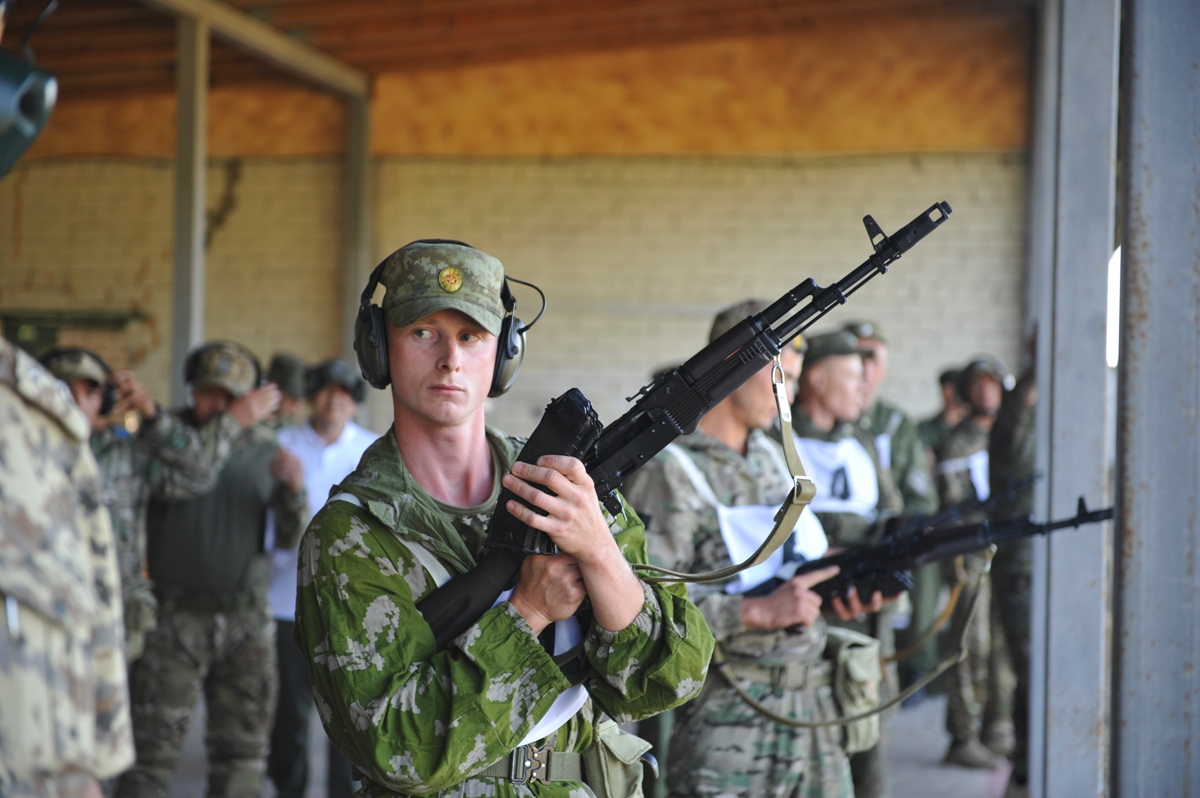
x,y
108,389
370,333
193,360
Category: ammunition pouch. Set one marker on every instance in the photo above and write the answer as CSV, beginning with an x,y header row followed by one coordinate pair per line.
x,y
612,764
857,677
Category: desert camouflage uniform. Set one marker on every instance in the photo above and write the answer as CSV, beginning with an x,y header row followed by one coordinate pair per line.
x,y
219,637
869,768
418,722
720,745
64,707
1011,461
165,459
979,688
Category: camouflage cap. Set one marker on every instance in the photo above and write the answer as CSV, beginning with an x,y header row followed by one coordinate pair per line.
x,y
866,329
336,372
222,365
729,318
72,363
427,276
826,345
288,372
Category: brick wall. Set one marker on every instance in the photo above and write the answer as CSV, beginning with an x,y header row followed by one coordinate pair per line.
x,y
96,234
635,254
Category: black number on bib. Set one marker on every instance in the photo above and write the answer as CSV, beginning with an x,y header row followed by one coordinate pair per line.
x,y
840,489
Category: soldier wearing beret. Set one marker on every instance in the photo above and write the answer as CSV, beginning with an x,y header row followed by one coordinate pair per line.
x,y
206,558
492,713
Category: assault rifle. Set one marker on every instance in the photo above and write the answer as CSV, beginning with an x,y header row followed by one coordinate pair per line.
x,y
670,406
887,566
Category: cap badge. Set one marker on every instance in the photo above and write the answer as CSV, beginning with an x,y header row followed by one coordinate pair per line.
x,y
450,279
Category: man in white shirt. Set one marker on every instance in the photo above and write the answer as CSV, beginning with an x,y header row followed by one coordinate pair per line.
x,y
329,446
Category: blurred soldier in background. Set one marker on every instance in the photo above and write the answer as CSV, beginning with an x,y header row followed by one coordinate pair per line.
x,y
64,707
329,447
854,490
288,373
978,710
162,457
728,478
210,574
896,440
933,430
1011,465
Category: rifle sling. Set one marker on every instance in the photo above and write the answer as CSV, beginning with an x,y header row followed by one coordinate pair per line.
x,y
802,493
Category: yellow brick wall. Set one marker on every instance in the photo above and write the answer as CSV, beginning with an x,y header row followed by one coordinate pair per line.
x,y
635,254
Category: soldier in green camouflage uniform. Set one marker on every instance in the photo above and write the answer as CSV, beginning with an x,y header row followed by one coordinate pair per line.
x,y
64,706
978,710
214,628
418,721
720,745
1011,453
854,491
933,430
902,451
162,457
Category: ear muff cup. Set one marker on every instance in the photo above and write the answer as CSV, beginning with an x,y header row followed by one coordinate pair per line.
x,y
370,344
510,351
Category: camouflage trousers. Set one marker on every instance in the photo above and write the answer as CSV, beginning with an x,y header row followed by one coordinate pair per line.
x,y
1012,595
230,654
720,746
979,689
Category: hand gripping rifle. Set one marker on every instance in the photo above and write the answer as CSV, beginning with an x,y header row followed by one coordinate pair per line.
x,y
669,407
887,566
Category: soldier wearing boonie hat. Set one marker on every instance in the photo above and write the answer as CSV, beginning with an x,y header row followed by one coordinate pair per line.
x,y
419,505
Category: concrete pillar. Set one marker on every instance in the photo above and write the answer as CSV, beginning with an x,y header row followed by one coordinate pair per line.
x,y
1156,690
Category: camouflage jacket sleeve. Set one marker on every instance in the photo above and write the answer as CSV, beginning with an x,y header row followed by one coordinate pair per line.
x,y
418,721
910,470
183,462
684,535
291,515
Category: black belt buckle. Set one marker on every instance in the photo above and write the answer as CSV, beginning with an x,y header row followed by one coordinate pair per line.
x,y
529,763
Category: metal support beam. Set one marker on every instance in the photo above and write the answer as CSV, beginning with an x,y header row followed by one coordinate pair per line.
x,y
286,52
191,85
1157,676
1074,568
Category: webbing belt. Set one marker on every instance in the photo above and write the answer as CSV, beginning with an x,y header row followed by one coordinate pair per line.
x,y
802,493
536,763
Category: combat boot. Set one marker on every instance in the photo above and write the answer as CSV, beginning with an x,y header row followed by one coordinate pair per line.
x,y
973,754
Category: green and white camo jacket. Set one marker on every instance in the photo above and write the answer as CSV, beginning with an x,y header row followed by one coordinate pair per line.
x,y
420,722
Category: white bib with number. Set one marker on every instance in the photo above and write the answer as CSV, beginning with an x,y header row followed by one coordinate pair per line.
x,y
844,474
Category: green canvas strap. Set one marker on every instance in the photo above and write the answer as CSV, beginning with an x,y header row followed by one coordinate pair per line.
x,y
536,763
802,493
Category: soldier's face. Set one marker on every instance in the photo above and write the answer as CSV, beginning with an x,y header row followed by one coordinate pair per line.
x,y
332,406
792,363
89,396
441,368
875,367
844,390
754,401
985,394
208,402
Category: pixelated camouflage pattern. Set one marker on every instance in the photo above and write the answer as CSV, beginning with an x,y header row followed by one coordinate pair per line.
x,y
423,278
165,459
63,698
909,464
720,745
231,655
417,721
224,365
955,487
